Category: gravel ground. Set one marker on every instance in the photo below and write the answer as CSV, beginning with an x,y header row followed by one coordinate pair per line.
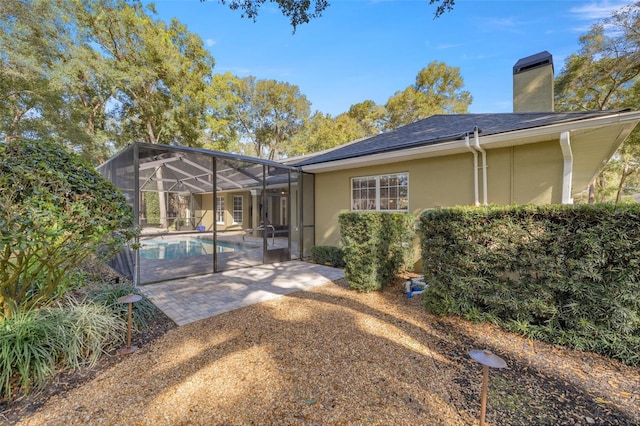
x,y
332,356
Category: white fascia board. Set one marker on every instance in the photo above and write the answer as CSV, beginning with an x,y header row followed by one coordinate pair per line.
x,y
532,135
445,148
558,128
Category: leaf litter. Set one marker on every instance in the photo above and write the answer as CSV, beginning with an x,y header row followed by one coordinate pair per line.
x,y
333,356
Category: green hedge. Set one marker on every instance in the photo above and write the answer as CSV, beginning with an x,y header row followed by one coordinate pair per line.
x,y
330,255
565,274
376,247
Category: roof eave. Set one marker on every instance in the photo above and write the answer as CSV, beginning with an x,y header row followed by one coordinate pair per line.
x,y
440,149
513,138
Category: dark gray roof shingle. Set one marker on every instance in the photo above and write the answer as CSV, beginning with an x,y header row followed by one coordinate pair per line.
x,y
444,128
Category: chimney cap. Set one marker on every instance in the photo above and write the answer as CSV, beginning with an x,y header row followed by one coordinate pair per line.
x,y
533,61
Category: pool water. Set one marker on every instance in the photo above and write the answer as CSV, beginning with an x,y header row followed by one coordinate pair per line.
x,y
172,248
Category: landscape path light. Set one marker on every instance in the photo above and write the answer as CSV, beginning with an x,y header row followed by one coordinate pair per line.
x,y
130,299
487,359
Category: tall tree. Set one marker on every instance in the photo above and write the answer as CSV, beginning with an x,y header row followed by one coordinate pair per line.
x,y
269,114
621,176
95,74
89,79
437,90
163,80
369,115
162,74
221,131
32,37
596,77
52,83
322,131
604,74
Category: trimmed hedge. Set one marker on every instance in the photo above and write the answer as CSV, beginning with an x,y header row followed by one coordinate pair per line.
x,y
330,255
564,274
376,247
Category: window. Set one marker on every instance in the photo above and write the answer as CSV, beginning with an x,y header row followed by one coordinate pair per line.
x,y
220,210
237,209
384,192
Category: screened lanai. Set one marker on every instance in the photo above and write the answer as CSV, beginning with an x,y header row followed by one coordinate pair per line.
x,y
202,211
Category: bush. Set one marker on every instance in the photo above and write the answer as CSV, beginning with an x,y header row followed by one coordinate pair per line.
x,y
565,274
328,255
34,343
85,331
376,247
142,311
55,212
152,208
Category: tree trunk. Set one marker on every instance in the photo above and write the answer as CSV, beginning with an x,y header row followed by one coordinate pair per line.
x,y
592,192
162,196
625,174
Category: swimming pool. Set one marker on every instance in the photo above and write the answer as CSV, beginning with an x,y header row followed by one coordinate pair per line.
x,y
178,248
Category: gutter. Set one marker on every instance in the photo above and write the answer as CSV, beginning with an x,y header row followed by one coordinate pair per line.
x,y
567,172
475,169
477,146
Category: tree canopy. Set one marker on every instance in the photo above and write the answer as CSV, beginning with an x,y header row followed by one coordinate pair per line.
x,y
437,90
322,131
302,11
606,66
98,74
263,115
604,74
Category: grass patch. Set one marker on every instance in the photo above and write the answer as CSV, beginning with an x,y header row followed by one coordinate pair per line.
x,y
69,335
108,295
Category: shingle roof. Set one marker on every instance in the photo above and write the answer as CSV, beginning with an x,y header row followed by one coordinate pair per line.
x,y
444,128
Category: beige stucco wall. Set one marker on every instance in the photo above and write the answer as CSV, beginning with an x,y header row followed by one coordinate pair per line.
x,y
526,174
533,90
204,212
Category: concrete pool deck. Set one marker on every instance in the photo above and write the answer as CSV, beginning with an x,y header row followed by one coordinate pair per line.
x,y
194,298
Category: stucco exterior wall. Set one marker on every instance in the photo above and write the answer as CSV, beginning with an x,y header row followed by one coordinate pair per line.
x,y
205,212
525,174
533,90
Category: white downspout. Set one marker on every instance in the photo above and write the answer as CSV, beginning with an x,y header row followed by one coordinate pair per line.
x,y
484,164
567,173
475,168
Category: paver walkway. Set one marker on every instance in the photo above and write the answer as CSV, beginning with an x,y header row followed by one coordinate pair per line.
x,y
191,299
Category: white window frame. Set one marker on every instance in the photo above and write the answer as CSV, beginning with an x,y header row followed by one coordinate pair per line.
x,y
375,204
220,210
239,211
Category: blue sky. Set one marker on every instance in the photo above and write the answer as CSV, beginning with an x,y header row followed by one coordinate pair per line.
x,y
369,49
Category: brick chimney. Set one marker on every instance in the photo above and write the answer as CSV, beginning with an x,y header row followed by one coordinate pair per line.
x,y
533,83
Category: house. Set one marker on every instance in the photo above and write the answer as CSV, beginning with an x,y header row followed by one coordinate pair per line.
x,y
471,159
530,156
228,211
